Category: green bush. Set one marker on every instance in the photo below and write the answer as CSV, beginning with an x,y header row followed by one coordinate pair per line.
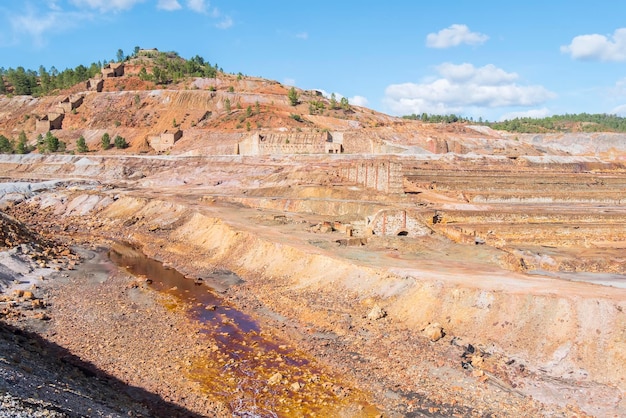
x,y
50,143
105,142
293,96
120,143
81,145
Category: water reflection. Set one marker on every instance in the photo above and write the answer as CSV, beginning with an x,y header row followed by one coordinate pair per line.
x,y
241,362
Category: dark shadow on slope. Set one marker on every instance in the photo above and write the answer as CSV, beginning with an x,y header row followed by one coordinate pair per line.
x,y
45,375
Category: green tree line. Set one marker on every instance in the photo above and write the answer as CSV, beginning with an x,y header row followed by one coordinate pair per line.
x,y
581,122
167,67
428,118
44,81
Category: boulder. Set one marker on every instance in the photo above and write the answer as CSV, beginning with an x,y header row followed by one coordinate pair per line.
x,y
275,379
433,332
376,313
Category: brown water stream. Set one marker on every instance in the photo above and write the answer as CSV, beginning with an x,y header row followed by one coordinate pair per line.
x,y
244,366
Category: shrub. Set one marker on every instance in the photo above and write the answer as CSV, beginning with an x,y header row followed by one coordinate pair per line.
x,y
50,143
296,117
81,145
293,96
105,142
6,147
120,143
22,145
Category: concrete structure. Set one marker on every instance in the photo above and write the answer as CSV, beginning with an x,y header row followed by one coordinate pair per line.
x,y
95,84
166,140
396,222
70,103
384,176
153,52
114,69
334,145
288,143
49,122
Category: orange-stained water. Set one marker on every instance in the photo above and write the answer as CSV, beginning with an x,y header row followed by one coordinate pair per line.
x,y
241,365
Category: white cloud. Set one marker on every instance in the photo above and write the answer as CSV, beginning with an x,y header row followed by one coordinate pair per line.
x,y
225,23
302,35
532,113
598,47
467,73
358,101
453,36
199,6
461,87
107,5
619,110
355,100
289,82
35,24
53,5
169,5
619,90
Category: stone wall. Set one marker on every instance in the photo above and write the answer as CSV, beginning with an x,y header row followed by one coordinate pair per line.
x,y
115,69
397,222
49,122
70,103
384,176
262,143
165,141
95,84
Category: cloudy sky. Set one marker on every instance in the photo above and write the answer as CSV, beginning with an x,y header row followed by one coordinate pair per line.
x,y
473,58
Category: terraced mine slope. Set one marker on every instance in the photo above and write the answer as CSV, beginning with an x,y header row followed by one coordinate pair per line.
x,y
356,264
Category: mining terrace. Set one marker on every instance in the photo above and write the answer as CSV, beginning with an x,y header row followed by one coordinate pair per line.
x,y
434,270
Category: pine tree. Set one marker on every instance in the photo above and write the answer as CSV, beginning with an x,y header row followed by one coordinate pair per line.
x,y
22,144
81,145
120,142
345,104
293,96
51,143
333,102
6,147
105,142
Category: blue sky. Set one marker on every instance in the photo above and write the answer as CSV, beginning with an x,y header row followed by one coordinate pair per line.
x,y
473,58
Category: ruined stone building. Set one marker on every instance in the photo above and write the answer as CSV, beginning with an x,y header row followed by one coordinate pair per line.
x,y
166,140
70,103
49,122
266,143
114,69
384,176
95,84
